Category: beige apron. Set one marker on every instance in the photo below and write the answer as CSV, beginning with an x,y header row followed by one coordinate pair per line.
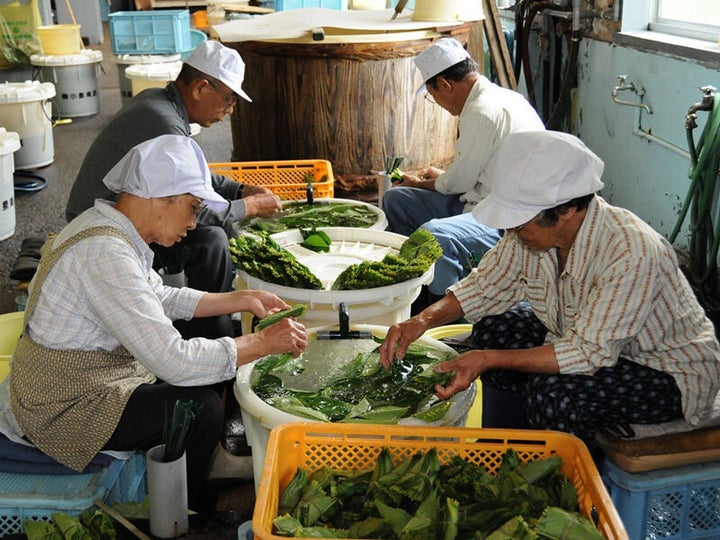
x,y
69,402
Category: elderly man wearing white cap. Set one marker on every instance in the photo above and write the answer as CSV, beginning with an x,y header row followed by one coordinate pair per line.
x,y
207,88
440,201
99,358
627,342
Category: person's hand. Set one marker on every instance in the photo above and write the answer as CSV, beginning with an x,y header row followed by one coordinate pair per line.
x,y
263,303
287,335
254,189
430,173
467,367
423,179
262,205
399,338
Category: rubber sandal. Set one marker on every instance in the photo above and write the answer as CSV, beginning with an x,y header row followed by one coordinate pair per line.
x,y
34,182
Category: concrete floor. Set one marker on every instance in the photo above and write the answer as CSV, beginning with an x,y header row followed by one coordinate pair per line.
x,y
43,212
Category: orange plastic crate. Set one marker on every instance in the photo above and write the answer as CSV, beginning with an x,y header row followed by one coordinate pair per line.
x,y
355,447
287,179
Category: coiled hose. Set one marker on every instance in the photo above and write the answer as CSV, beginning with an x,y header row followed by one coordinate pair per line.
x,y
701,201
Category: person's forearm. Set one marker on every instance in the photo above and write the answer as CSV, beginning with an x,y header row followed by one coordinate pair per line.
x,y
535,360
213,304
444,311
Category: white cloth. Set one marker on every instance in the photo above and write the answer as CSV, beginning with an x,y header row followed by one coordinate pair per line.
x,y
490,114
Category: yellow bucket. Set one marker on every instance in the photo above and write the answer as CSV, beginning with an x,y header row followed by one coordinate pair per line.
x,y
11,325
60,39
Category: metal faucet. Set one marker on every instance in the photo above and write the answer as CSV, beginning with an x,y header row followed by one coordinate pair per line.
x,y
622,86
708,99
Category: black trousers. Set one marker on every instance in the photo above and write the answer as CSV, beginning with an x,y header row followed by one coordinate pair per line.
x,y
210,269
141,427
611,399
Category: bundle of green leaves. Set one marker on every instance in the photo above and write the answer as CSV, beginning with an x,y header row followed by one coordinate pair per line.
x,y
417,254
300,215
262,257
420,498
362,391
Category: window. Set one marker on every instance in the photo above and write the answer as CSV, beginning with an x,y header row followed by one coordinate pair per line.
x,y
699,19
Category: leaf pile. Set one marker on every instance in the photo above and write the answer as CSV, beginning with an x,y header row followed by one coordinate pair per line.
x,y
300,215
419,499
92,524
362,391
417,254
264,259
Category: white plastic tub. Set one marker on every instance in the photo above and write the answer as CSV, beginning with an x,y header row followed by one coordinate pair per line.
x,y
124,60
143,76
75,77
382,305
9,143
259,418
25,109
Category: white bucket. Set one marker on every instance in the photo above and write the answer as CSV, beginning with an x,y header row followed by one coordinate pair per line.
x,y
448,10
144,76
124,60
75,77
259,418
382,305
25,109
9,143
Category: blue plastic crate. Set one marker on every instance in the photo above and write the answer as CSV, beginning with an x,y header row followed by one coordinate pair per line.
x,y
164,31
680,503
37,497
284,5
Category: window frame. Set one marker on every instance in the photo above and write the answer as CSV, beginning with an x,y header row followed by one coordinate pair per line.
x,y
704,32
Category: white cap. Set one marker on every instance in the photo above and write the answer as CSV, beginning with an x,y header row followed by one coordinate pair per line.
x,y
162,167
533,171
439,56
220,62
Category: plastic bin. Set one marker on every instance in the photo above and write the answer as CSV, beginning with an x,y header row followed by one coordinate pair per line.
x,y
380,305
38,496
123,61
259,418
678,503
285,178
10,329
356,446
143,76
165,31
283,5
9,143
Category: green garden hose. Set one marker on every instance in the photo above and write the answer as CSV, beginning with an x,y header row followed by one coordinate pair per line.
x,y
702,203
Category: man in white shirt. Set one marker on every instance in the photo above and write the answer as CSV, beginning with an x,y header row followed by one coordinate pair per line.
x,y
440,201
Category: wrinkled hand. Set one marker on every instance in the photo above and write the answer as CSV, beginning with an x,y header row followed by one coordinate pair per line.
x,y
254,189
399,338
287,335
264,303
262,205
467,367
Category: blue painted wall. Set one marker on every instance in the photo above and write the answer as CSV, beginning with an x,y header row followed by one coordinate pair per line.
x,y
642,176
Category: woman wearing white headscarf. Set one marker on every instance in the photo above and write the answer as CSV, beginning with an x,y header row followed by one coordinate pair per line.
x,y
627,341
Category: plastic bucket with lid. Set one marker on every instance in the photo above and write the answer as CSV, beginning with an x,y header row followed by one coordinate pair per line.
x,y
25,109
75,77
259,417
9,143
349,245
60,39
143,76
124,60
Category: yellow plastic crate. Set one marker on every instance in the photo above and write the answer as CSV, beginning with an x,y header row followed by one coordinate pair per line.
x,y
355,447
287,179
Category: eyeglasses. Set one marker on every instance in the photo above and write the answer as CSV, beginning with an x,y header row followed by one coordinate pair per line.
x,y
429,98
197,207
230,99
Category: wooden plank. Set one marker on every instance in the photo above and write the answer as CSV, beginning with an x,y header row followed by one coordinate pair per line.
x,y
499,53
